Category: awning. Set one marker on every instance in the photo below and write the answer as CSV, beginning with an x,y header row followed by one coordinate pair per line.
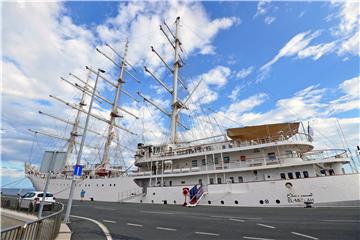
x,y
285,130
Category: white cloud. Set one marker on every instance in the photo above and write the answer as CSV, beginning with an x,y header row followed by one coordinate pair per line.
x,y
269,20
243,73
349,15
140,21
235,93
317,51
350,45
296,44
262,7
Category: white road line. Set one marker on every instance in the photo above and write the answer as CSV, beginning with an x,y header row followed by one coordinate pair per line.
x,y
207,233
264,225
102,226
339,220
305,236
166,229
157,212
255,238
247,218
105,208
134,224
236,220
108,221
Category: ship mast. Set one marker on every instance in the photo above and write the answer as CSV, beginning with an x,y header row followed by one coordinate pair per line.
x,y
114,112
175,104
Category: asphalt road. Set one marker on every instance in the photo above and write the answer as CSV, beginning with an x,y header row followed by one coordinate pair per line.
x,y
145,221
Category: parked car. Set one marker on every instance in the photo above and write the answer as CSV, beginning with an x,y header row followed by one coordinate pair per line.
x,y
31,200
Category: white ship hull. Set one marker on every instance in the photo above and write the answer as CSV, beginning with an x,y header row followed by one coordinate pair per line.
x,y
340,190
114,189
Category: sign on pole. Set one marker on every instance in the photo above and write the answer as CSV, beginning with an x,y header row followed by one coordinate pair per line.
x,y
78,170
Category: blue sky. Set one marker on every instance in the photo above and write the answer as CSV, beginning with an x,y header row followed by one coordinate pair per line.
x,y
259,62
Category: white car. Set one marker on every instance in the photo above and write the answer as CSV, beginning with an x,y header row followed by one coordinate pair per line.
x,y
33,199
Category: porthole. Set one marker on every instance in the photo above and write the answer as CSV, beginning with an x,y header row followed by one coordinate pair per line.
x,y
222,202
209,202
140,201
97,185
277,201
236,202
114,184
174,202
102,184
153,193
110,184
288,185
261,202
152,201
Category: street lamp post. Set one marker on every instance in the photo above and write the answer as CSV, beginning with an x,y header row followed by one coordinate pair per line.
x,y
72,189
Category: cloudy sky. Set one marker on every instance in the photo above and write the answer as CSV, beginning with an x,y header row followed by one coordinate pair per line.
x,y
257,62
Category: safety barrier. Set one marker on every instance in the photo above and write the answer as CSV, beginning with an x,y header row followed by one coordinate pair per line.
x,y
46,227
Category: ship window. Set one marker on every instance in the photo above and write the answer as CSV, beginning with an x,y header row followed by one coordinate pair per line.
x,y
194,163
219,180
298,174
290,175
306,174
236,202
261,202
289,153
200,181
203,162
102,184
110,184
182,182
271,156
241,179
209,202
278,201
243,158
114,184
222,202
282,175
232,179
170,183
256,150
211,181
226,159
216,160
97,185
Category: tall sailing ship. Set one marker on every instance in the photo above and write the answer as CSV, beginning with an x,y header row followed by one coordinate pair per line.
x,y
269,165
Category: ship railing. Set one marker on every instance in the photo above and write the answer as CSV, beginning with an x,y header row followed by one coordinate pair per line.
x,y
219,146
325,154
46,227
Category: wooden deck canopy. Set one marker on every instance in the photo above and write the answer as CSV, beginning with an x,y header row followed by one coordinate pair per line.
x,y
287,130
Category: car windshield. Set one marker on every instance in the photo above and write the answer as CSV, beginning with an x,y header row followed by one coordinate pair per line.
x,y
47,195
29,195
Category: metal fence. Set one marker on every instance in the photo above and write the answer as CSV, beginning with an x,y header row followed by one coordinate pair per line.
x,y
45,228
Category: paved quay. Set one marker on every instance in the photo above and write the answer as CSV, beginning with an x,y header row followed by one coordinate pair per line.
x,y
99,220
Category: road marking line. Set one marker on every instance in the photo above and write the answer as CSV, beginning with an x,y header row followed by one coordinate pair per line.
x,y
102,226
134,224
108,221
236,220
248,218
348,221
305,236
105,208
207,233
166,229
264,225
157,212
255,238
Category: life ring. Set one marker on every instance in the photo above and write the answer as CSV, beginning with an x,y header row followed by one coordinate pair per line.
x,y
185,191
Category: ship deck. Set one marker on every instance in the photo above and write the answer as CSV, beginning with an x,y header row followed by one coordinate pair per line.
x,y
150,221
